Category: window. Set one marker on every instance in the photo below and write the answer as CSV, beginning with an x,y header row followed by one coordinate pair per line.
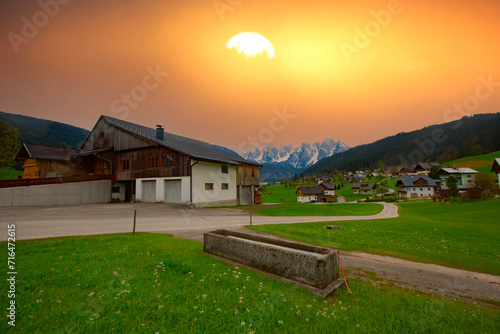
x,y
421,189
253,172
225,169
115,189
429,189
124,165
157,162
209,186
225,186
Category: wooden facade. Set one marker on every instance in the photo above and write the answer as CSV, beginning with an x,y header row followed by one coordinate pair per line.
x,y
247,175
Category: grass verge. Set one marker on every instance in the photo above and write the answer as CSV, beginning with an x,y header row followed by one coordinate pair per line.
x,y
460,234
154,283
309,209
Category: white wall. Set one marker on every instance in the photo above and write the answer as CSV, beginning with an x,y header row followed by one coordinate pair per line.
x,y
306,199
207,172
75,193
119,196
425,192
160,188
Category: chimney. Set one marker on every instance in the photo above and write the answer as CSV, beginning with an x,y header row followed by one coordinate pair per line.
x,y
160,134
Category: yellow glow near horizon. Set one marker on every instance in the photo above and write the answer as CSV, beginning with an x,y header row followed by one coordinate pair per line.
x,y
251,44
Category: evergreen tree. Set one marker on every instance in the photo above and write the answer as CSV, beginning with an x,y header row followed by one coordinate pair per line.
x,y
9,143
451,183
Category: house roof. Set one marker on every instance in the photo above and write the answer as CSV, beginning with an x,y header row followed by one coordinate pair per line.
x,y
496,166
316,190
196,149
427,165
457,170
364,186
46,152
329,186
409,181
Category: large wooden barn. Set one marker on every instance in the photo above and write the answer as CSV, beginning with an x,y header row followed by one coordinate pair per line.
x,y
152,165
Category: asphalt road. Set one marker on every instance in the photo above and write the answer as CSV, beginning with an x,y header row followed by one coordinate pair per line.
x,y
45,222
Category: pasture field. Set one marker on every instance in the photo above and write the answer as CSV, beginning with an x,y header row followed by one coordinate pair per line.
x,y
462,234
154,283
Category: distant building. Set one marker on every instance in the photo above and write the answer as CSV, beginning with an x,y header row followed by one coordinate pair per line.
x,y
414,186
424,168
496,168
464,176
313,194
328,188
364,188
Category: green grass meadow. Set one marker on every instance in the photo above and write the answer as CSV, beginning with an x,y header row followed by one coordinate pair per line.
x,y
154,283
9,173
309,209
462,234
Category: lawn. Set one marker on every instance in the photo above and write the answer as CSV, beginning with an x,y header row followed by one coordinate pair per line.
x,y
9,173
290,207
309,209
461,234
154,283
485,157
346,191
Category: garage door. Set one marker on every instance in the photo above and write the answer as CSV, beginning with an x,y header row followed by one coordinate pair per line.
x,y
149,191
173,191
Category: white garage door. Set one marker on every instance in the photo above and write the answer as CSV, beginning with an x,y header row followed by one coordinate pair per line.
x,y
173,191
149,191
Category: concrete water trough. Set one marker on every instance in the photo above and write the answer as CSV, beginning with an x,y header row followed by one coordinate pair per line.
x,y
312,267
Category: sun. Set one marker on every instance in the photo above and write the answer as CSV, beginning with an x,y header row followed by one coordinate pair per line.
x,y
251,44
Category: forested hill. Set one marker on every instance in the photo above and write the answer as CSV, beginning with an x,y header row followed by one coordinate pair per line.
x,y
44,132
444,142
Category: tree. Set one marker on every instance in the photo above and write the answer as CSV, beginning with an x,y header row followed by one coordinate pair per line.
x,y
9,143
484,183
380,168
451,183
433,173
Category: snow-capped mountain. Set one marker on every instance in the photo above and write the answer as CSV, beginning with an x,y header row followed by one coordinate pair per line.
x,y
302,156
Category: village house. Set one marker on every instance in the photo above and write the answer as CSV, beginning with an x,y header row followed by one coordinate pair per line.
x,y
464,176
364,188
328,188
414,186
144,165
155,166
424,168
496,168
313,194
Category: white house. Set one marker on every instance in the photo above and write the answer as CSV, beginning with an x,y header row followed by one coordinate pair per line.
x,y
309,194
414,186
464,175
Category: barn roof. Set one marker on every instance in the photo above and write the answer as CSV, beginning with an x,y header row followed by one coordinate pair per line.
x,y
46,152
196,149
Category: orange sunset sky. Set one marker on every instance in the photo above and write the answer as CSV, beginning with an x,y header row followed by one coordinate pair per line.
x,y
355,71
